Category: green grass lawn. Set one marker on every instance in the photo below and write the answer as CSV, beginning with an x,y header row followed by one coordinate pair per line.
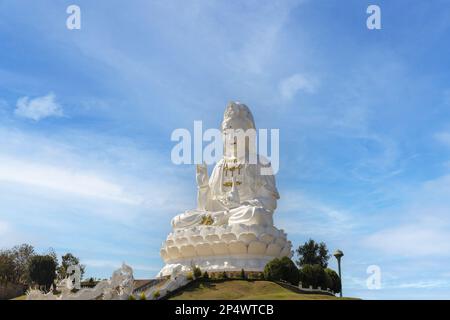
x,y
239,290
242,290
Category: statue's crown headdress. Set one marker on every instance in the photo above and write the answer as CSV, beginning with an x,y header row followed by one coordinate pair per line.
x,y
237,112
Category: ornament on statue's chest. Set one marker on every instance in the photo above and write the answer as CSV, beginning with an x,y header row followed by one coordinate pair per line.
x,y
233,171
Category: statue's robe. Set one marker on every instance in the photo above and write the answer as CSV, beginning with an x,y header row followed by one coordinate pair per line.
x,y
237,193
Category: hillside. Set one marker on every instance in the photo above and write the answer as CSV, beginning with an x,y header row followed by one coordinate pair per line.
x,y
241,290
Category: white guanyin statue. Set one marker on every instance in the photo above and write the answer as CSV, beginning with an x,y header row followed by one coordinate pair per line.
x,y
232,227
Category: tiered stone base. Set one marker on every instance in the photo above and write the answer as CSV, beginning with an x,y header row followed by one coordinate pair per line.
x,y
223,248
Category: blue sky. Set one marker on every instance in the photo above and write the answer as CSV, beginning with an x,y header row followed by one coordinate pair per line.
x,y
364,118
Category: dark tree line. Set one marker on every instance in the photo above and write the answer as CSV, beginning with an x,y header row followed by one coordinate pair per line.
x,y
312,268
22,265
14,264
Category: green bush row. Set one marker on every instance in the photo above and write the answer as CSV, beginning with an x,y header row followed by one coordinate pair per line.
x,y
309,275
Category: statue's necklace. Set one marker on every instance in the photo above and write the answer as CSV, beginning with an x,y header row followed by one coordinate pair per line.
x,y
230,167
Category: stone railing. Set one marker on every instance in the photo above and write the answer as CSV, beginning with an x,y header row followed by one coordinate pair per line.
x,y
307,290
151,283
164,287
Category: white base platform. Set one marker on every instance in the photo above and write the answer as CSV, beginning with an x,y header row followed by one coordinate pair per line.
x,y
223,248
216,264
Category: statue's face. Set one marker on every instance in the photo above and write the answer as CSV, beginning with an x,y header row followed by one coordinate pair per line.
x,y
229,141
235,125
231,129
239,142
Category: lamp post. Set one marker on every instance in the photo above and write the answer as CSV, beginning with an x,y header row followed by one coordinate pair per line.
x,y
338,255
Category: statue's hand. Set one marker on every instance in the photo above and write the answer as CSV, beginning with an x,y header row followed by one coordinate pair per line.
x,y
220,218
253,203
202,175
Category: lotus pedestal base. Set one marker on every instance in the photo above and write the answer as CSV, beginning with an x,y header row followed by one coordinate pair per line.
x,y
223,248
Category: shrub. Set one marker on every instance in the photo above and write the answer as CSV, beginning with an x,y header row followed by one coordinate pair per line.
x,y
206,275
223,275
197,272
282,269
7,268
142,297
335,281
42,270
156,294
243,274
91,282
272,270
314,275
131,297
190,276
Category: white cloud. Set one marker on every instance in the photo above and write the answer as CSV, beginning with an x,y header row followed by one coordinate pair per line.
x,y
9,236
416,239
312,217
423,284
74,169
298,82
4,228
63,180
425,228
38,108
260,34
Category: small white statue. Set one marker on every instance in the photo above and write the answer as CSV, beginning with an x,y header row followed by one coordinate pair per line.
x,y
119,287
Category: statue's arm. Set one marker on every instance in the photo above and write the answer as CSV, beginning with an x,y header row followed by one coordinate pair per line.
x,y
266,193
208,188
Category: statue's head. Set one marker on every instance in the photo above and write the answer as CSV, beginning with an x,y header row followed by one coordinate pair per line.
x,y
238,121
237,116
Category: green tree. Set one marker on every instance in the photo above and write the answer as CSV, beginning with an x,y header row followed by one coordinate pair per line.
x,y
335,280
313,253
206,275
314,275
243,276
42,270
68,260
282,269
7,267
52,253
22,255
